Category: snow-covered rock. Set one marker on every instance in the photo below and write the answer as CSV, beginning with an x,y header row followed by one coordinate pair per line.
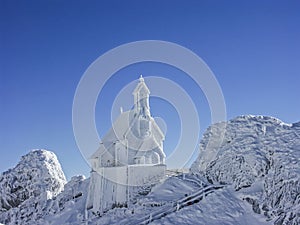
x,y
260,156
37,176
69,207
38,172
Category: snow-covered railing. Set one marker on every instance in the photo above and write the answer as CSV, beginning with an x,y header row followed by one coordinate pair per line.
x,y
186,201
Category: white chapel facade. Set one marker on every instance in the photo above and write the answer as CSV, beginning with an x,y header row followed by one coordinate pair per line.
x,y
130,154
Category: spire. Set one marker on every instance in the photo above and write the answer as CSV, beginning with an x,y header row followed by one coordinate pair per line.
x,y
141,98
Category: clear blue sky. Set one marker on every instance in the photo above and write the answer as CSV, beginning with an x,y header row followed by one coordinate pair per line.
x,y
253,48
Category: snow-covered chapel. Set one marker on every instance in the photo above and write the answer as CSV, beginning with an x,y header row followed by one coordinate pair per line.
x,y
130,154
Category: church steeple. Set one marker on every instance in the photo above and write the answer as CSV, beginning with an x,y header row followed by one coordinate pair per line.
x,y
141,98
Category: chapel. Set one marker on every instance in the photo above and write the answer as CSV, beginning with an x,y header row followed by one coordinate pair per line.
x,y
130,154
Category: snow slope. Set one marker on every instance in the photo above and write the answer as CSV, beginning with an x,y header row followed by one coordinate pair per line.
x,y
221,207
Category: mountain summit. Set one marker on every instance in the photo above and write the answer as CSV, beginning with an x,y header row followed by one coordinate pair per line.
x,y
247,172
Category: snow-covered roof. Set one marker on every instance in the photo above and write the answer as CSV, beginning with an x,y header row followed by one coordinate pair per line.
x,y
121,130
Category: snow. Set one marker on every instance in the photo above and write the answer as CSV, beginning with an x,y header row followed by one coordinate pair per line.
x,y
69,207
252,177
220,207
37,177
38,172
260,157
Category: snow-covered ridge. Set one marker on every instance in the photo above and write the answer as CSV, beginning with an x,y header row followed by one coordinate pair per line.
x,y
261,118
260,157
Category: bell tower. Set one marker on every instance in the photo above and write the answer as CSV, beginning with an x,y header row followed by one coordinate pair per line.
x,y
141,109
141,99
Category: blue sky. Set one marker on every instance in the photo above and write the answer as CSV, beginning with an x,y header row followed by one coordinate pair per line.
x,y
253,48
